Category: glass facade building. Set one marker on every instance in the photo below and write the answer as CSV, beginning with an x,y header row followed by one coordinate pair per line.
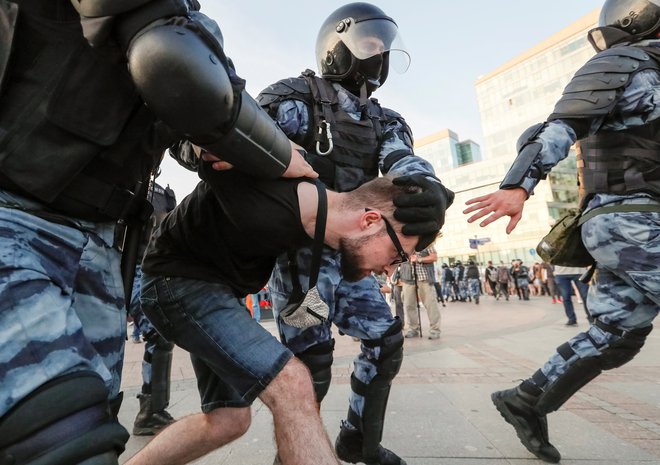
x,y
515,96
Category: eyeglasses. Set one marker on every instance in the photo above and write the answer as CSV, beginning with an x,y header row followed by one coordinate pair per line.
x,y
403,256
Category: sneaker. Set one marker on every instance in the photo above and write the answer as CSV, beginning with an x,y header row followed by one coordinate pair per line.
x,y
571,323
412,333
137,340
554,300
349,449
516,407
434,335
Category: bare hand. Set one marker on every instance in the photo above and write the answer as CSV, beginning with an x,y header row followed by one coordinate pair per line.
x,y
298,167
218,164
509,202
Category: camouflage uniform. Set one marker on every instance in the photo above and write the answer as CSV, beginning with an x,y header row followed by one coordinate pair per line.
x,y
618,162
60,322
358,309
625,291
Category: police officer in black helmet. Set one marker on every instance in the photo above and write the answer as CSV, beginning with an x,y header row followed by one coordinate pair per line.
x,y
91,94
610,107
349,138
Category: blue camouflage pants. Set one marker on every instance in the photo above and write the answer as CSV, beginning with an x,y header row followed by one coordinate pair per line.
x,y
474,287
357,309
143,324
625,291
62,305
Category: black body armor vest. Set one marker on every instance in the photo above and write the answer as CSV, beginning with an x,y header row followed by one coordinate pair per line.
x,y
355,144
620,162
74,134
344,151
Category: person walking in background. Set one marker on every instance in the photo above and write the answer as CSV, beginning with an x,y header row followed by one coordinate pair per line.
x,y
438,285
520,275
611,107
490,277
503,279
447,282
460,290
418,284
549,282
565,277
473,282
397,295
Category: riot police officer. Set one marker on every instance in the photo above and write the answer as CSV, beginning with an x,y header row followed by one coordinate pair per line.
x,y
609,107
154,395
91,94
349,137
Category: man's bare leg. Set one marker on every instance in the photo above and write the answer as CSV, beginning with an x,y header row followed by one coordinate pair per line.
x,y
299,433
194,436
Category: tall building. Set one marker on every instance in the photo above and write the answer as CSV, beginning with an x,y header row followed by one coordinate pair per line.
x,y
513,97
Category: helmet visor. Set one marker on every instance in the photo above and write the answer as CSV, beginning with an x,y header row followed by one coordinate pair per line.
x,y
372,37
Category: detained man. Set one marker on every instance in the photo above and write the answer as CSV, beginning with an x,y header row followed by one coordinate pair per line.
x,y
220,244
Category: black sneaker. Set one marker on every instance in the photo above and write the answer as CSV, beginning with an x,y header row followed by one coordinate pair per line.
x,y
349,449
571,323
515,406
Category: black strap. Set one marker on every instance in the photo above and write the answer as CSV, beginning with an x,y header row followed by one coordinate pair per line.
x,y
317,246
631,207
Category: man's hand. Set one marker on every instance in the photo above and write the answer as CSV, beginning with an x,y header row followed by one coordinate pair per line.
x,y
423,210
508,202
298,166
218,164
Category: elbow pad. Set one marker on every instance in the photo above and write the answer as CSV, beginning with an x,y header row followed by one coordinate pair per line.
x,y
188,86
181,79
527,163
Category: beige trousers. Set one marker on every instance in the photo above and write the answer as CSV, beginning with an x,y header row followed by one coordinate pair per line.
x,y
429,298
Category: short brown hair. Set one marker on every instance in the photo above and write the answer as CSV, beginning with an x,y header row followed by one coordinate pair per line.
x,y
377,194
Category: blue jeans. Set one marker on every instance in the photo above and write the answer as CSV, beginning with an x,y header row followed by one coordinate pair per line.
x,y
233,356
563,282
62,305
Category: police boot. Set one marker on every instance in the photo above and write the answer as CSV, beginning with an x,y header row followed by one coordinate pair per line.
x,y
517,407
147,422
349,449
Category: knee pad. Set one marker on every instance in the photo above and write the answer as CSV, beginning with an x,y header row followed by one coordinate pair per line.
x,y
161,368
318,359
376,393
583,370
66,421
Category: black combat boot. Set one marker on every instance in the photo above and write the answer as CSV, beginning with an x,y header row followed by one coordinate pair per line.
x,y
148,422
517,407
349,449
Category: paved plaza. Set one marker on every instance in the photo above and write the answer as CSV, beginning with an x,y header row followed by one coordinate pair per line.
x,y
440,411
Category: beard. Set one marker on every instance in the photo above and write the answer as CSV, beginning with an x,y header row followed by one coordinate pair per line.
x,y
350,258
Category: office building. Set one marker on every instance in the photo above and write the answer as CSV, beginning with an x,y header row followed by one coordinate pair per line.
x,y
513,97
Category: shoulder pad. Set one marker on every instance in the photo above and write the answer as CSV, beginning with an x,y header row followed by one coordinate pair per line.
x,y
290,88
595,87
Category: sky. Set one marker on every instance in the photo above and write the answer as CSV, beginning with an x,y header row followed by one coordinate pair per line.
x,y
451,45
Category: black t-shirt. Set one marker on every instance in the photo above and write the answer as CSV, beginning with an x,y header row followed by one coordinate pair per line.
x,y
230,229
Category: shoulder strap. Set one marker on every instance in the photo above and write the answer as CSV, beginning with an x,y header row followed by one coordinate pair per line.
x,y
319,233
317,246
618,208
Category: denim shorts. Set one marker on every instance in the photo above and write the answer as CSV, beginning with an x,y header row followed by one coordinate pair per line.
x,y
233,356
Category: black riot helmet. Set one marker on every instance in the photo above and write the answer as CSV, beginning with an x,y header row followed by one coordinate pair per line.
x,y
625,21
357,44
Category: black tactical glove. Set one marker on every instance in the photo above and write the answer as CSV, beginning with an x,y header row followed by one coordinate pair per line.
x,y
423,209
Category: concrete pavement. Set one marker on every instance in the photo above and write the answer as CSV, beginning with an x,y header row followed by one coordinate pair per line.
x,y
440,411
